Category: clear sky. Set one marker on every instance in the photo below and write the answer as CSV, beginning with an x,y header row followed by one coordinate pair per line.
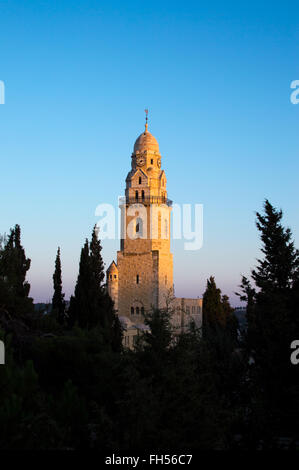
x,y
216,78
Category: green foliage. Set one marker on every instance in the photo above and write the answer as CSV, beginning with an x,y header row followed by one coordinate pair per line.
x,y
179,391
14,289
273,323
217,312
19,402
91,305
74,386
279,269
212,305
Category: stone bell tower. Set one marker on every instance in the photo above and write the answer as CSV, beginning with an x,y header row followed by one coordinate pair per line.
x,y
143,275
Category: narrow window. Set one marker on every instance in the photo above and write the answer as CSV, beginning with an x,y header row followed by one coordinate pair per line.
x,y
115,276
136,195
132,310
137,279
139,226
142,311
152,161
159,225
142,194
110,276
139,179
165,279
137,310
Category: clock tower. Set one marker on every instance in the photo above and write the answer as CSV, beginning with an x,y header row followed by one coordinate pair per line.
x,y
143,275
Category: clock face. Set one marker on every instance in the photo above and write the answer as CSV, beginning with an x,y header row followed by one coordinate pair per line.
x,y
140,161
159,163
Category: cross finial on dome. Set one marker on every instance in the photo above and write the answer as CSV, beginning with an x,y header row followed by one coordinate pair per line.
x,y
146,119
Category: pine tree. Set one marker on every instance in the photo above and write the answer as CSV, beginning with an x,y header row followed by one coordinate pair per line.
x,y
279,269
273,322
58,303
270,315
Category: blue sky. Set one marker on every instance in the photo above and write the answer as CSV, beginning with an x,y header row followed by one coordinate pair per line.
x,y
216,78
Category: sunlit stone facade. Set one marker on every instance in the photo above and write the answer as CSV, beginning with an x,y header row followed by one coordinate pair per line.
x,y
142,278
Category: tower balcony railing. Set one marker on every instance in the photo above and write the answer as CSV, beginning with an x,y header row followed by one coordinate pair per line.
x,y
146,200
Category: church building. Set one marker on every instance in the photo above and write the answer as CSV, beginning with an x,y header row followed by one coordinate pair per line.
x,y
142,277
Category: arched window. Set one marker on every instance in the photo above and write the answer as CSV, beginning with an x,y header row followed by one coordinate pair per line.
x,y
136,195
152,161
140,180
137,279
138,307
142,194
132,310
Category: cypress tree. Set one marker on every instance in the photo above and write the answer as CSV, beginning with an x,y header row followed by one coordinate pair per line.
x,y
91,306
104,313
213,312
102,306
58,303
17,264
13,269
218,314
96,260
79,303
